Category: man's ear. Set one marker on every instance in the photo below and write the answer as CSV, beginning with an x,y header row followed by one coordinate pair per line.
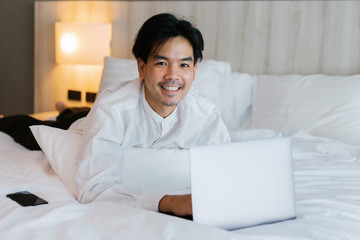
x,y
141,68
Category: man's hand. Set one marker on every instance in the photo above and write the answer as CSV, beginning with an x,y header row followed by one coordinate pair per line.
x,y
179,205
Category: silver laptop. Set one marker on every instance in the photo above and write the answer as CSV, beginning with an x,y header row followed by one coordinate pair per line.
x,y
242,184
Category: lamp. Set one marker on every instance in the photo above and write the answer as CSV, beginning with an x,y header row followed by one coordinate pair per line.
x,y
82,43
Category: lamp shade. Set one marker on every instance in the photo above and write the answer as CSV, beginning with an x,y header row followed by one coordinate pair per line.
x,y
82,43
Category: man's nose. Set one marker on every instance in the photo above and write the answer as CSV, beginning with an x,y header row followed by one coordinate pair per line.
x,y
172,72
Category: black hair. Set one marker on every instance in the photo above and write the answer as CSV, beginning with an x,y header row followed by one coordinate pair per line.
x,y
160,28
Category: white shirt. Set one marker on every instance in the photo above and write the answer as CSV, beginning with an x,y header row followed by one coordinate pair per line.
x,y
121,118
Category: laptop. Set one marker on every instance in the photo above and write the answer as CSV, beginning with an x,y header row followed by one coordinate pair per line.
x,y
242,184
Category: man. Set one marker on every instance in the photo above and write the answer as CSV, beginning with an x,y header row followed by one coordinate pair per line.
x,y
158,110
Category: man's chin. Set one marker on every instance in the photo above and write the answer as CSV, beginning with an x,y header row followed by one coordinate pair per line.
x,y
171,101
170,104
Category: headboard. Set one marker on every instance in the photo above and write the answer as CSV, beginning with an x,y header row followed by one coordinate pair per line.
x,y
256,37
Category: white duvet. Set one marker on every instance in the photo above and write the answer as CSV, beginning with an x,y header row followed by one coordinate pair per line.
x,y
327,186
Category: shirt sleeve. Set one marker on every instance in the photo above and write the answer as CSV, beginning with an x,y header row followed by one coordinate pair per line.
x,y
99,174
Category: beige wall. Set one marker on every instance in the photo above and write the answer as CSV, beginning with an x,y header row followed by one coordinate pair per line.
x,y
52,81
275,37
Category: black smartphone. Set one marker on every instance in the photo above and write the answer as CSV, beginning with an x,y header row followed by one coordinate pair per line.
x,y
26,198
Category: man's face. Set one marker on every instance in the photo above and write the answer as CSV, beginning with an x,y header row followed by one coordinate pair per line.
x,y
168,75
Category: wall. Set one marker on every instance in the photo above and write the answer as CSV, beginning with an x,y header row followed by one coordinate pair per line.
x,y
53,80
271,37
17,54
258,37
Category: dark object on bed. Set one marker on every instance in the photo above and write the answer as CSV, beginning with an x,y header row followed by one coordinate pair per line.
x,y
26,199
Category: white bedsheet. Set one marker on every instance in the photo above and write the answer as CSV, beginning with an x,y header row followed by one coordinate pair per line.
x,y
65,218
327,188
327,177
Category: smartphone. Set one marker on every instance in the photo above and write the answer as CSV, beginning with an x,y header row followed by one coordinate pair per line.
x,y
26,199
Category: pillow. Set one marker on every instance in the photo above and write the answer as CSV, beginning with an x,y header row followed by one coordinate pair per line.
x,y
154,170
231,93
60,148
240,95
210,75
212,78
327,106
117,70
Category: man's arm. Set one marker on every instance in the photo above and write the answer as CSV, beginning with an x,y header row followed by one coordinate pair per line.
x,y
100,174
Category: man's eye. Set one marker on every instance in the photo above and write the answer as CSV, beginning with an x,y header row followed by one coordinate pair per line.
x,y
161,63
184,65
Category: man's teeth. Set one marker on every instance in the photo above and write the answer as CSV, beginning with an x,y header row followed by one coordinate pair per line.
x,y
171,88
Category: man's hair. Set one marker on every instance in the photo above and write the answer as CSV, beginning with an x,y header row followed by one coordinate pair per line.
x,y
162,27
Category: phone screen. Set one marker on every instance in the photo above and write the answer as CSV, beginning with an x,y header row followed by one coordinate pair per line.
x,y
26,199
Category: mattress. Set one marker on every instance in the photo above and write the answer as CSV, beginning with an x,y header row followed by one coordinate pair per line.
x,y
327,188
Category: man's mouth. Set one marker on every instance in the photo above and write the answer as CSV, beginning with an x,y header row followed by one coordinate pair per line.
x,y
171,88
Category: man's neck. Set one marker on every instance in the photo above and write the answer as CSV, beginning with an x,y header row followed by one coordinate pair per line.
x,y
163,110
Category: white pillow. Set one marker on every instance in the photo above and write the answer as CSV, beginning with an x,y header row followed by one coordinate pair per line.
x,y
240,96
154,170
117,70
60,148
230,92
210,75
327,106
211,79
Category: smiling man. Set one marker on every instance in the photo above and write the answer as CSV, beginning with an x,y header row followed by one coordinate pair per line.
x,y
158,110
168,75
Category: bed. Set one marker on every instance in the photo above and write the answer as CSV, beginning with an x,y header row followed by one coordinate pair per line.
x,y
320,113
